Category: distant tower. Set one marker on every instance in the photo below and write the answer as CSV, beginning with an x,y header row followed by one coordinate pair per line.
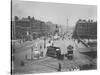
x,y
67,25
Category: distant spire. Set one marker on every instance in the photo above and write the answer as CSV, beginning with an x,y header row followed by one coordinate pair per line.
x,y
67,24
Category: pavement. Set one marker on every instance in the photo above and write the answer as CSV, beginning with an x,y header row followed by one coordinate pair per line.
x,y
49,64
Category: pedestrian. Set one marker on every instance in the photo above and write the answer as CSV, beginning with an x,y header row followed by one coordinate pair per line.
x,y
41,54
78,41
40,47
44,45
22,63
31,49
26,56
38,56
59,69
31,53
52,44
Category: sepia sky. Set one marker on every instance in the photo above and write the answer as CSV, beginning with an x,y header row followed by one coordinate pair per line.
x,y
54,12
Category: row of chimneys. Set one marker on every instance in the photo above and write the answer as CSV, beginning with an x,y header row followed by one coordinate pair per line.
x,y
85,21
29,17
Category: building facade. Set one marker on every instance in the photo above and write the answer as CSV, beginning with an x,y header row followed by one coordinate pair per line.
x,y
25,27
85,29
